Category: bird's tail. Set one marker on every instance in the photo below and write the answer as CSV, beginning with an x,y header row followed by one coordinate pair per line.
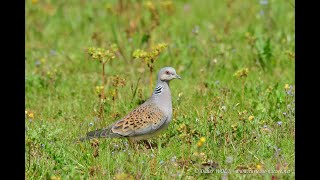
x,y
100,133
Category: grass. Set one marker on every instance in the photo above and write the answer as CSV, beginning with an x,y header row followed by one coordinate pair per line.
x,y
248,120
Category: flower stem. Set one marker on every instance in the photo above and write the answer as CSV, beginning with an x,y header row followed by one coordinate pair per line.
x,y
242,91
102,93
29,153
150,79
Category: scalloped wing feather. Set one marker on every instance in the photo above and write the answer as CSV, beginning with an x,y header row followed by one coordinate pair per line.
x,y
145,119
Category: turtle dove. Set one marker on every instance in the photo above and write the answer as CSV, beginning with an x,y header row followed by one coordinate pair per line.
x,y
148,119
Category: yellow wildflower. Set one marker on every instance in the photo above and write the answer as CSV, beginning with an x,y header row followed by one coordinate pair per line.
x,y
234,126
168,6
202,139
248,34
108,6
123,176
286,87
30,114
203,156
150,56
118,81
259,166
55,178
42,60
150,5
34,1
99,89
251,118
101,54
242,73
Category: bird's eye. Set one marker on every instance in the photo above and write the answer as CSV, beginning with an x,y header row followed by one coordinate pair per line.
x,y
167,72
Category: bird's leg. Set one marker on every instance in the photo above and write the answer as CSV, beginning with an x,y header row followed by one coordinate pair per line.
x,y
147,142
136,146
133,144
150,145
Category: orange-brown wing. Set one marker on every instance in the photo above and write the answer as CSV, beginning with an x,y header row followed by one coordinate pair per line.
x,y
144,119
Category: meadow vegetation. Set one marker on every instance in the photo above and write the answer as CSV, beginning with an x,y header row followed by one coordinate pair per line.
x,y
88,63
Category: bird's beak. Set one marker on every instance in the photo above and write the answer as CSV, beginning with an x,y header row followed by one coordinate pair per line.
x,y
177,76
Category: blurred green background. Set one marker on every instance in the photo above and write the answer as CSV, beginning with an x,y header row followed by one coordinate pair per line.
x,y
248,122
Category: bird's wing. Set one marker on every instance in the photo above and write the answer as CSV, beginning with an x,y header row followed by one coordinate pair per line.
x,y
145,119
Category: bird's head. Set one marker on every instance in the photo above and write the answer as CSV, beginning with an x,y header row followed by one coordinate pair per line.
x,y
167,74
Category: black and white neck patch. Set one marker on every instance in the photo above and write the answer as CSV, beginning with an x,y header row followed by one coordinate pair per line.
x,y
158,90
